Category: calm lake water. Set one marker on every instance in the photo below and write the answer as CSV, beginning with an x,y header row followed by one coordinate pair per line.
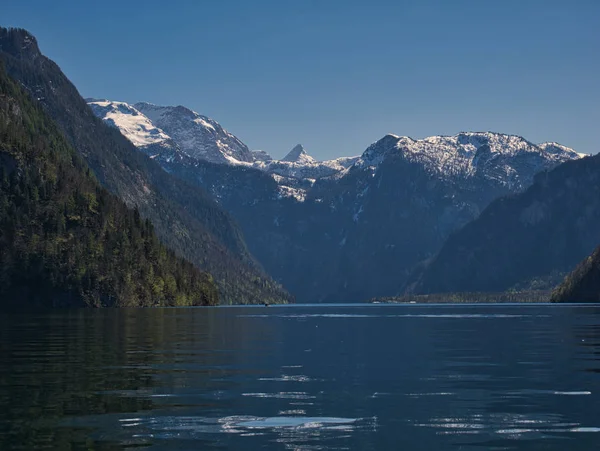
x,y
377,377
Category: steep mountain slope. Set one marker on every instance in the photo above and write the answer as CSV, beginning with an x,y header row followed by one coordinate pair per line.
x,y
353,228
530,239
185,217
64,240
583,284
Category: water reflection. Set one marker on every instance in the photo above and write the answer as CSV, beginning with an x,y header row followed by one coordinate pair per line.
x,y
70,363
371,377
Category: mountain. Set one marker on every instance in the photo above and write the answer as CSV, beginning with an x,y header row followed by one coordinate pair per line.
x,y
583,284
499,159
198,136
510,160
185,217
298,165
400,201
299,155
135,126
177,133
66,241
527,240
354,228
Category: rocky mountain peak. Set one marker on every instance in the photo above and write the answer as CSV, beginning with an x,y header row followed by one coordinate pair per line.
x,y
298,155
17,41
198,136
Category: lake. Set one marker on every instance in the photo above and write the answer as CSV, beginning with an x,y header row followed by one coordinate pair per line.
x,y
308,377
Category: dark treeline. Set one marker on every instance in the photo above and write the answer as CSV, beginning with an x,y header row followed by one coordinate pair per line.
x,y
63,238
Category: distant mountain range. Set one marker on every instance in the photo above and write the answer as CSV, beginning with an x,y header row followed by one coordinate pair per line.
x,y
477,211
344,229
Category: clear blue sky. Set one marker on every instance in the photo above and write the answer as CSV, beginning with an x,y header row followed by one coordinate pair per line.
x,y
338,75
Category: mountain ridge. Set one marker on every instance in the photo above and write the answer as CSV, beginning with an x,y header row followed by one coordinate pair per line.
x,y
466,150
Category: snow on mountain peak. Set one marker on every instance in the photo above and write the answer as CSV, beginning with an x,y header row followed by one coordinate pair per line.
x,y
377,151
505,158
556,148
134,125
198,136
298,155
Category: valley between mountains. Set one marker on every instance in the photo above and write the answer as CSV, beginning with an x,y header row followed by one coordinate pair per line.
x,y
350,228
476,211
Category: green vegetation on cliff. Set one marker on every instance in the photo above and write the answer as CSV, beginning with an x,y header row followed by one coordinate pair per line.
x,y
583,284
65,240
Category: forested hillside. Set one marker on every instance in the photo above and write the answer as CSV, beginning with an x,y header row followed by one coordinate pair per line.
x,y
186,219
64,240
583,284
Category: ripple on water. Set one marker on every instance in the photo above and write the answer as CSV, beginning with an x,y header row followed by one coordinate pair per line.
x,y
511,426
282,395
549,392
288,378
291,429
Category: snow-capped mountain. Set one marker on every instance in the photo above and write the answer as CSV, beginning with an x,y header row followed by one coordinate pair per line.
x,y
509,160
299,165
135,126
299,155
506,159
180,133
198,136
352,227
